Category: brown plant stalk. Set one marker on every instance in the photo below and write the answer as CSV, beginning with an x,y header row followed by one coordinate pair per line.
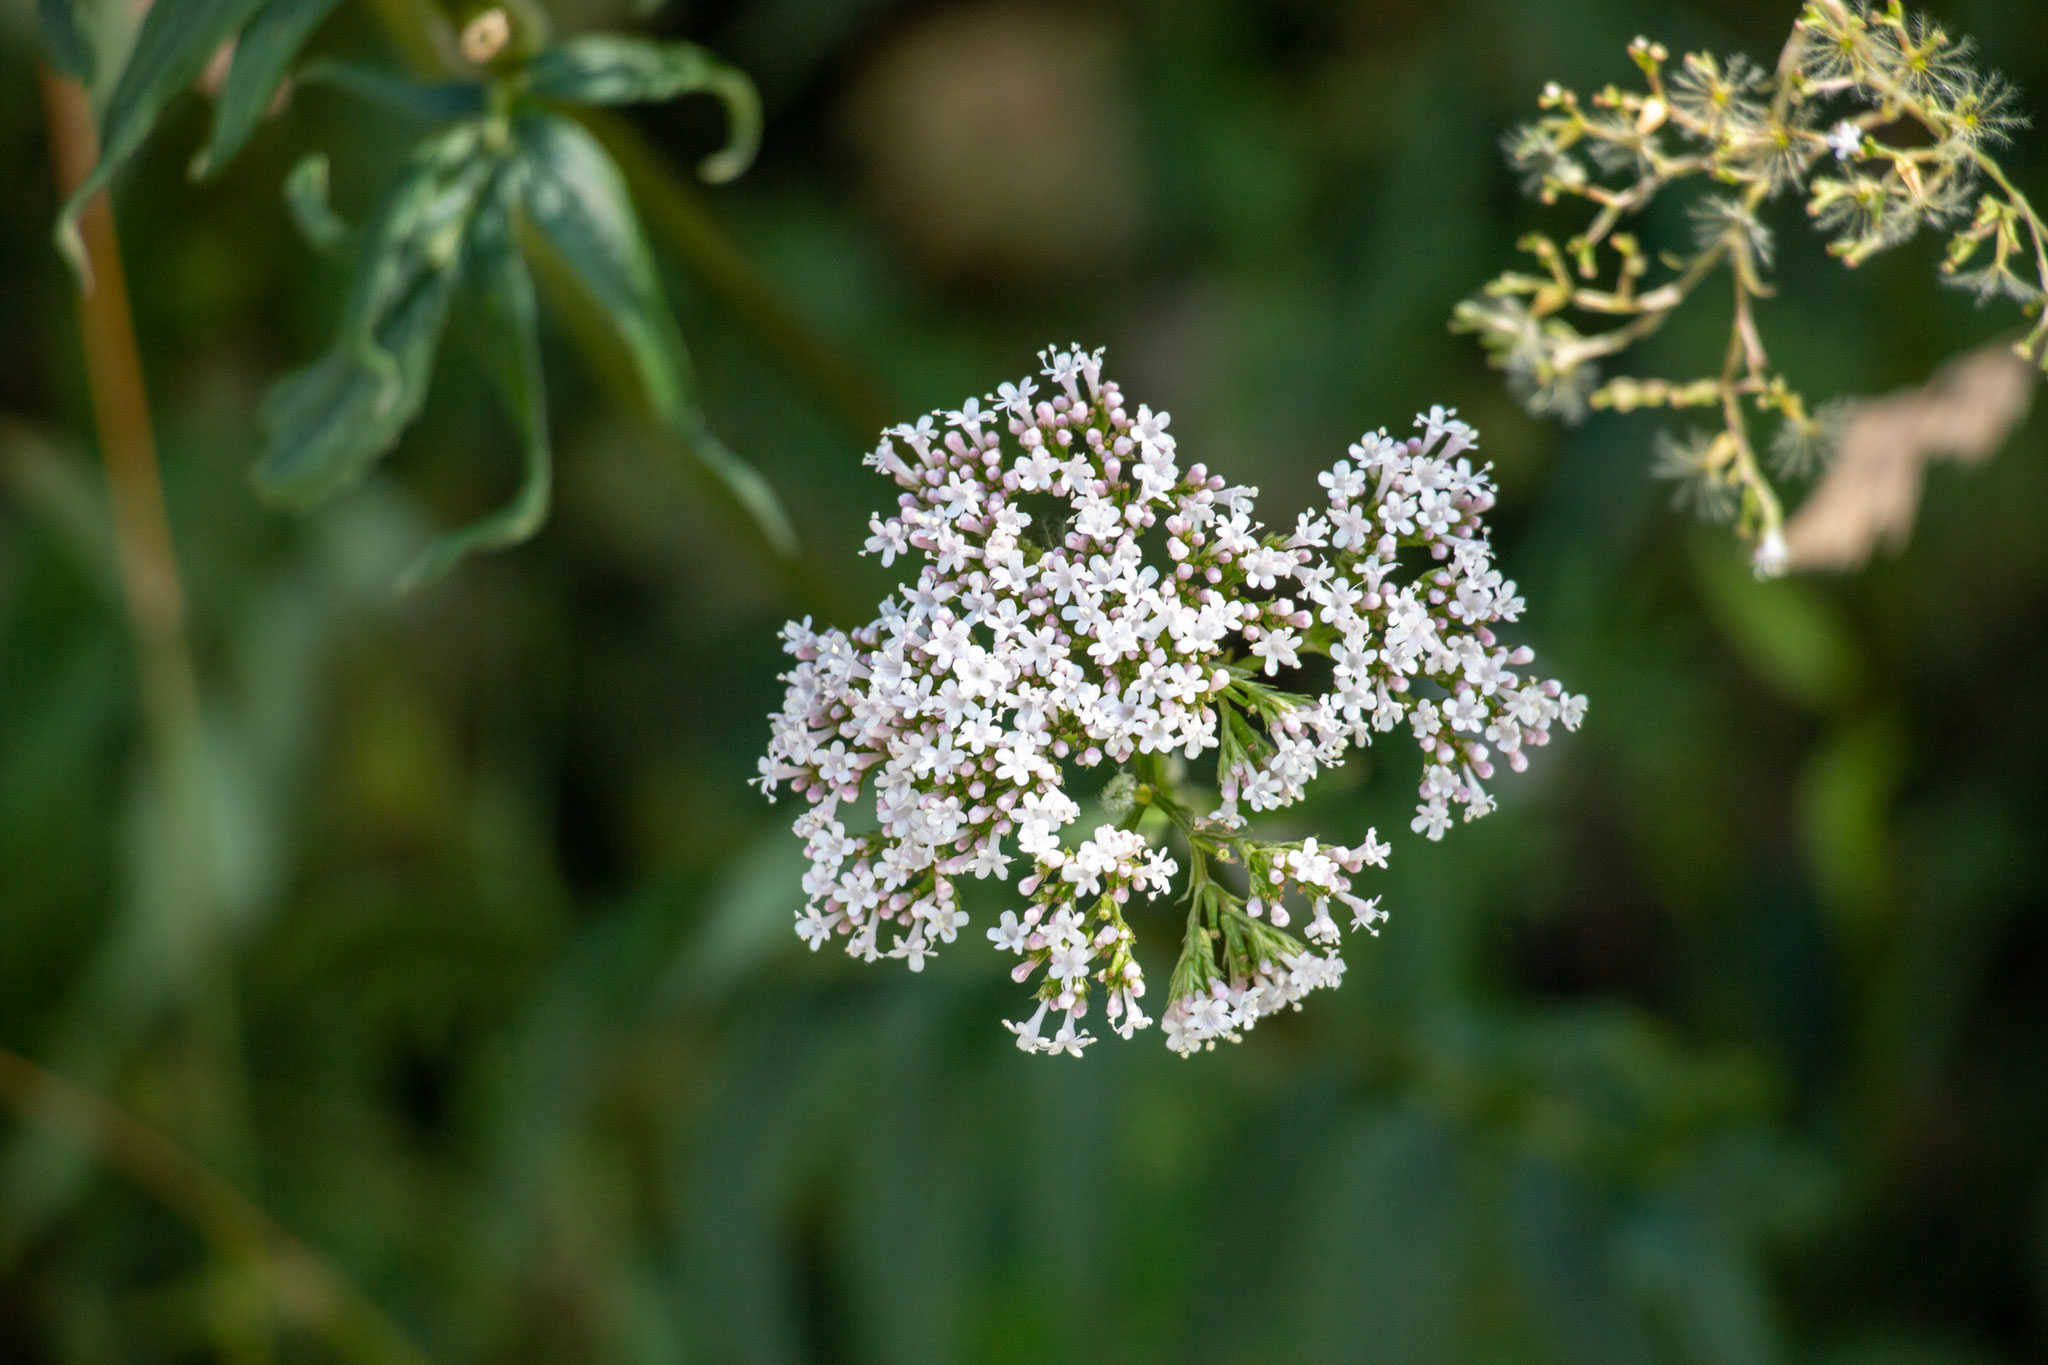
x,y
304,1286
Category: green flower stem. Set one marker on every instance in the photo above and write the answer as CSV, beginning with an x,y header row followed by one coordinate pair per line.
x,y
2035,346
2035,228
1196,966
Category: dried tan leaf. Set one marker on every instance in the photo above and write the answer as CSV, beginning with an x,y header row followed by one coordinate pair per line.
x,y
1872,494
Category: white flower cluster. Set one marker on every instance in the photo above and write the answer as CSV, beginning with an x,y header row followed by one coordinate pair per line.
x,y
1084,599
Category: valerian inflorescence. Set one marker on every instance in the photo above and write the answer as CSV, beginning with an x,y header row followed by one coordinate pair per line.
x,y
1878,118
1083,600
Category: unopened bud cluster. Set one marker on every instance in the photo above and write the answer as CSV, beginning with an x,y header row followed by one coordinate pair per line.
x,y
1083,600
1878,118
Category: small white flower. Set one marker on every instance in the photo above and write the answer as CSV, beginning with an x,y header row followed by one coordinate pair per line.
x,y
1009,934
1276,648
1027,1032
1069,1039
1845,140
813,928
1365,914
1772,556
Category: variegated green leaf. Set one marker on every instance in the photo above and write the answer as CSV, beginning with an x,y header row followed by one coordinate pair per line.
x,y
746,485
604,68
328,423
509,341
437,101
575,199
305,195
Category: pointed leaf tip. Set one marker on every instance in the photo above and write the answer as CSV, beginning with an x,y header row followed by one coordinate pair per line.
x,y
607,68
510,343
264,50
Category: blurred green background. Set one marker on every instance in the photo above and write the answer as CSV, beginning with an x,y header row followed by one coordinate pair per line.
x,y
1725,1040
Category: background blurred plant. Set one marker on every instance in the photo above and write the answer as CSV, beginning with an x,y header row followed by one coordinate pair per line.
x,y
504,172
1722,1041
1877,116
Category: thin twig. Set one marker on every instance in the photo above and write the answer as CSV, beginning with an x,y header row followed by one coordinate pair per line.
x,y
143,548
310,1290
149,566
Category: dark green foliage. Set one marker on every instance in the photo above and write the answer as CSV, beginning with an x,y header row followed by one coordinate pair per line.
x,y
263,51
502,166
172,46
65,41
511,168
575,200
431,101
330,421
604,68
508,335
306,196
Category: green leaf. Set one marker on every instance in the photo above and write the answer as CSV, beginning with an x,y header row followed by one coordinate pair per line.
x,y
65,41
435,101
1787,631
575,200
1847,786
746,485
510,339
1701,1293
604,68
305,195
176,40
265,48
329,422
